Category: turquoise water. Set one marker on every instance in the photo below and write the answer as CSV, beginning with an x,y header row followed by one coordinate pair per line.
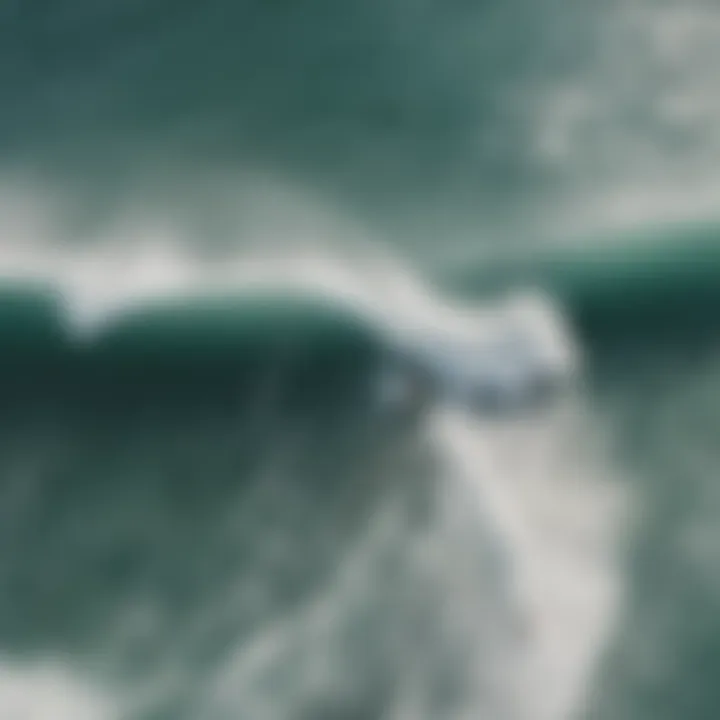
x,y
203,516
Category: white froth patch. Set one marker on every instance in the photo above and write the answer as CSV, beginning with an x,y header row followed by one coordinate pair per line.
x,y
634,133
49,690
556,514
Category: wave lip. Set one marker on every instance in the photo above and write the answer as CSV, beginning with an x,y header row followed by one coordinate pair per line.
x,y
517,356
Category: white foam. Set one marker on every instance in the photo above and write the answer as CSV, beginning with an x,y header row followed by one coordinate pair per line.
x,y
50,690
634,133
549,506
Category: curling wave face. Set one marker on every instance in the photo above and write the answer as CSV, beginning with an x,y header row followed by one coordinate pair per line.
x,y
515,354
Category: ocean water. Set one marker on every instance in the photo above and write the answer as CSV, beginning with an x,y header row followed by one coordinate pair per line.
x,y
203,513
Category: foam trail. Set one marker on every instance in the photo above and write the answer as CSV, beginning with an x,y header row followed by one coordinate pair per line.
x,y
517,637
554,522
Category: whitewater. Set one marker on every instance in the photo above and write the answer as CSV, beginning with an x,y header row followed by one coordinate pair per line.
x,y
497,600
